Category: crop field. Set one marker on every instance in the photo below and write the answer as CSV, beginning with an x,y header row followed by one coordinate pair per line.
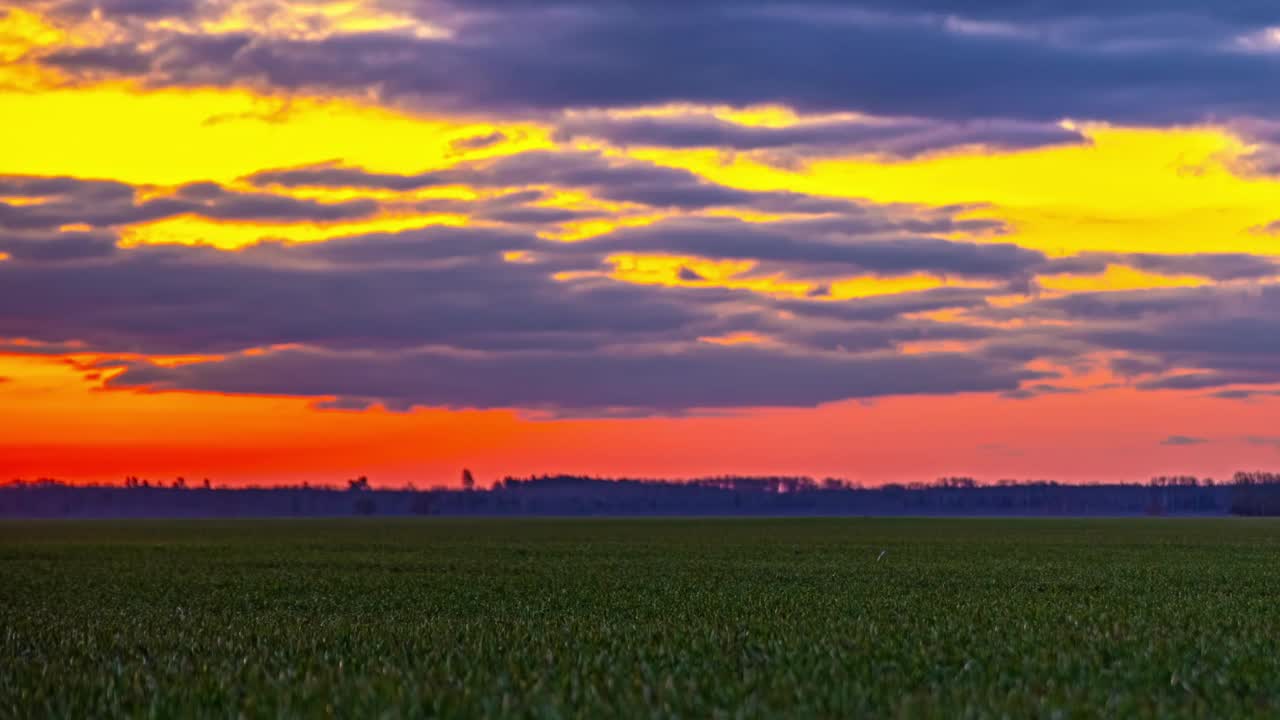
x,y
637,618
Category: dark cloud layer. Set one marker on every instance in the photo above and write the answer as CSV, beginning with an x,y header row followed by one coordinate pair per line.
x,y
839,237
1182,441
704,376
1040,62
442,316
616,179
901,138
437,317
388,291
106,203
1214,266
808,248
1181,339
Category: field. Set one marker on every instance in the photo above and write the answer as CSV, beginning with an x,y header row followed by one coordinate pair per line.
x,y
603,618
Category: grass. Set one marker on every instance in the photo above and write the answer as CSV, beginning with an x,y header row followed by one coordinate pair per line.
x,y
606,618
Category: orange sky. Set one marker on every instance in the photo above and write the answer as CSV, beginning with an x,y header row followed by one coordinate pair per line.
x,y
61,426
1137,191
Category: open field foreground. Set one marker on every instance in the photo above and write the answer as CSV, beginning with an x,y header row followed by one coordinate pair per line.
x,y
602,618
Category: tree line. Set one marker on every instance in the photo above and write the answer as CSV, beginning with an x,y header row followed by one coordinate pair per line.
x,y
1247,493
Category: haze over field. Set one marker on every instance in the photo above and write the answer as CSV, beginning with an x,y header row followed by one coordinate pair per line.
x,y
273,242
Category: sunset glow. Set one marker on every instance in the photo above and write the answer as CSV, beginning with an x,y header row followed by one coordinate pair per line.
x,y
298,242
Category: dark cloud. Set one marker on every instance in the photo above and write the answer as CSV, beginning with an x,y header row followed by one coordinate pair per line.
x,y
339,176
441,285
840,236
37,246
1186,338
616,179
537,215
373,292
822,249
1243,13
1039,62
478,142
27,347
106,203
1037,390
1244,394
1197,17
117,10
1202,380
1215,266
897,138
701,376
1183,441
406,248
690,275
1129,366
513,208
867,337
436,316
878,308
215,202
1120,305
1237,335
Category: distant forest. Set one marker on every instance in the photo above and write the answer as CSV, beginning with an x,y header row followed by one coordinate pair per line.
x,y
1248,493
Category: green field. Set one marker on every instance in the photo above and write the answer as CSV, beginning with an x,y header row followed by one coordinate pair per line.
x,y
604,618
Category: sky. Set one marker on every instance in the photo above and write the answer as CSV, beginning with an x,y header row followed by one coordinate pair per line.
x,y
279,242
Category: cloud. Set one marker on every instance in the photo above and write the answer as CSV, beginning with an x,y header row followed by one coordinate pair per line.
x,y
438,316
1154,63
198,300
1244,394
426,297
891,137
1214,266
46,246
63,201
1118,305
449,286
1189,338
1166,17
1198,381
866,337
690,275
838,236
478,142
615,179
1038,389
1129,366
1262,135
890,305
1182,441
703,376
117,10
820,248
